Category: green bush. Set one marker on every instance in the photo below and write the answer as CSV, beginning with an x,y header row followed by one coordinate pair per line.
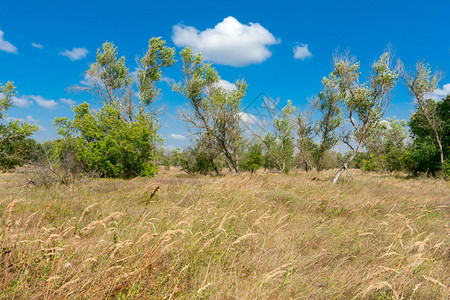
x,y
105,143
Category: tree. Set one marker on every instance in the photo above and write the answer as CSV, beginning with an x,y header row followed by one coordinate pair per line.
x,y
254,158
328,104
424,156
364,104
305,143
420,83
15,145
106,144
213,112
119,139
109,79
385,146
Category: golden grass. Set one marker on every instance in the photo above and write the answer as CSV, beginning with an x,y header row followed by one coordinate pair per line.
x,y
262,236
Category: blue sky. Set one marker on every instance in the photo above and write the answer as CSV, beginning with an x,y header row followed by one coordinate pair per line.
x,y
45,46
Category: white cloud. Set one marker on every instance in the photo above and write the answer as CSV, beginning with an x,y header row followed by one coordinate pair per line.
x,y
22,101
249,119
49,104
67,101
226,85
31,119
75,53
302,52
6,46
228,43
438,94
36,45
178,137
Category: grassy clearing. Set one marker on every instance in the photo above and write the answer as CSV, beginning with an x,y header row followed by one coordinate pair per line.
x,y
262,236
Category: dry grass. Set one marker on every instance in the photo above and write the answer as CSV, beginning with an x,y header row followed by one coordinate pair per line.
x,y
263,236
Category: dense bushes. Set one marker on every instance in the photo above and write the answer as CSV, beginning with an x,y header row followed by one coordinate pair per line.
x,y
106,144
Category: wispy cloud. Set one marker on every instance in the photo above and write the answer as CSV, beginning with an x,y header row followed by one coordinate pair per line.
x,y
6,46
48,104
67,101
75,53
178,137
36,45
302,52
228,43
22,101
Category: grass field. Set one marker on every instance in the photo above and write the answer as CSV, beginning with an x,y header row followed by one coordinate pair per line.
x,y
262,236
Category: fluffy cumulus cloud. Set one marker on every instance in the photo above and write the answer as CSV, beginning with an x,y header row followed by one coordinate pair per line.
x,y
75,53
438,94
49,104
178,137
228,43
6,46
36,45
302,52
67,101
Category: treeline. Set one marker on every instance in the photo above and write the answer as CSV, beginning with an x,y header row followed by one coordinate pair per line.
x,y
120,139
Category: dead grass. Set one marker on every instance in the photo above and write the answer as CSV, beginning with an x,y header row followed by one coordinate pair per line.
x,y
262,236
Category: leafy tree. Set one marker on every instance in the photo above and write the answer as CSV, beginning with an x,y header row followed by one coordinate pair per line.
x,y
105,143
214,113
328,104
254,158
119,140
305,144
420,157
385,146
420,83
15,145
364,104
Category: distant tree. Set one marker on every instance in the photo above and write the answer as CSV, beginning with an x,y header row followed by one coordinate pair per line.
x,y
253,158
364,104
420,83
16,147
214,113
305,144
385,146
328,104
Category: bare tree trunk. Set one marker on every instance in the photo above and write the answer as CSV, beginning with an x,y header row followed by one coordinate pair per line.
x,y
346,163
440,147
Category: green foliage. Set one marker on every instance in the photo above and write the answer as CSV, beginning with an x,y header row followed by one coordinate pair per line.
x,y
196,160
105,143
16,148
424,155
254,158
279,145
214,113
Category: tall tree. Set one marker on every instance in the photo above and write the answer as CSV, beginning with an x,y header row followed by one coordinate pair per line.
x,y
420,83
364,104
328,104
213,112
305,143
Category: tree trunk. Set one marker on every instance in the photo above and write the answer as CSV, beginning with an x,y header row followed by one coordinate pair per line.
x,y
440,147
214,166
346,163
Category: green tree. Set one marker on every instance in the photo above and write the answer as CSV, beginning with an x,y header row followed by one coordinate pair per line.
x,y
214,113
120,139
305,144
253,159
420,83
364,104
328,104
16,147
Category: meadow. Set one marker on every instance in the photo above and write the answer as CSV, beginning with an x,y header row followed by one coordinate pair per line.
x,y
252,236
